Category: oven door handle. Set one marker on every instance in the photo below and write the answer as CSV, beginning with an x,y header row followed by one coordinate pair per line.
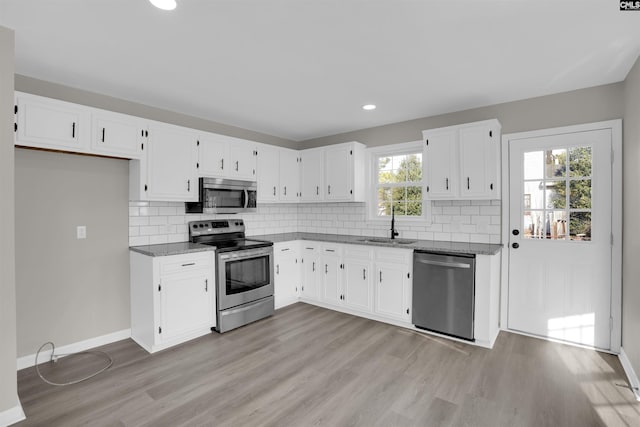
x,y
246,254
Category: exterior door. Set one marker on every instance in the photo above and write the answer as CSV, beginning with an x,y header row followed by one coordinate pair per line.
x,y
560,241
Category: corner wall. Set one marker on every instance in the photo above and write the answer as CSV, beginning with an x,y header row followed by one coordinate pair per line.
x,y
10,410
631,224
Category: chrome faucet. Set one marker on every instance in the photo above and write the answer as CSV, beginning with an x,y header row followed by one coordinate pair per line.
x,y
394,233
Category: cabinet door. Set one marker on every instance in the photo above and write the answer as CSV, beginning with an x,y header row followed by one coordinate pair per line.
x,y
48,123
439,154
267,172
330,271
479,156
243,159
171,167
392,293
289,176
286,275
339,172
312,175
213,156
310,272
185,303
117,134
357,284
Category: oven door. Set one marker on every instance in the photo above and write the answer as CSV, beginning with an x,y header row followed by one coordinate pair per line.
x,y
243,276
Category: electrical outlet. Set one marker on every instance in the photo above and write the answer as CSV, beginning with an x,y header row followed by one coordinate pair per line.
x,y
81,232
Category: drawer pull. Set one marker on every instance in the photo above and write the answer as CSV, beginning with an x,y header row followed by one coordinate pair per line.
x,y
188,264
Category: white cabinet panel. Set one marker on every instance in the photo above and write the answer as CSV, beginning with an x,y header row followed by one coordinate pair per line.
x,y
117,135
311,271
213,151
440,155
52,124
243,159
330,260
358,288
286,273
339,173
289,175
312,175
268,173
185,303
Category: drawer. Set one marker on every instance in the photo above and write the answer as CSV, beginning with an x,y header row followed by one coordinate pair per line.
x,y
358,252
284,248
309,247
330,249
403,256
186,262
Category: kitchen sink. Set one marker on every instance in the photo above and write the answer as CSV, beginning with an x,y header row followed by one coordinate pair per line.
x,y
387,240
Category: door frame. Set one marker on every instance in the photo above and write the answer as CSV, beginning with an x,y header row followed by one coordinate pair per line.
x,y
616,219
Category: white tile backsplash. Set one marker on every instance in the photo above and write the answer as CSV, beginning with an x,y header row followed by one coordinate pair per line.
x,y
462,221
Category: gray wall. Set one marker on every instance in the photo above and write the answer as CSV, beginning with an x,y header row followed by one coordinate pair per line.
x,y
69,94
563,109
69,290
8,389
631,225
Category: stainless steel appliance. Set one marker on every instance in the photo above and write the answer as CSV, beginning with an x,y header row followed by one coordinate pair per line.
x,y
444,293
244,272
219,195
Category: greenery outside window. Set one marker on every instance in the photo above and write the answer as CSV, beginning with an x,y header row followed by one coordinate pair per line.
x,y
397,182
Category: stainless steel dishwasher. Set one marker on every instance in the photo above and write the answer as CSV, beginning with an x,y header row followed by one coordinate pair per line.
x,y
444,293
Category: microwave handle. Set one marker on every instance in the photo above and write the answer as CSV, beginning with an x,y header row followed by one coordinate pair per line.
x,y
245,198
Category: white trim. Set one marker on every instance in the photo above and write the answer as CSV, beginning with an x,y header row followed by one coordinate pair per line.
x,y
30,360
12,416
631,374
557,341
616,218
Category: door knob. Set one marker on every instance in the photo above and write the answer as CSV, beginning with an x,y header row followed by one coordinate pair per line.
x,y
515,246
515,232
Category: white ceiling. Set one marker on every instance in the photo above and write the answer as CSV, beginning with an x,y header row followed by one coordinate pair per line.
x,y
301,69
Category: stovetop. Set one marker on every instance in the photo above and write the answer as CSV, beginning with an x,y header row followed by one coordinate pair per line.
x,y
225,234
237,245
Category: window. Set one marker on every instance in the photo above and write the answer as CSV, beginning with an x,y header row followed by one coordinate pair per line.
x,y
397,181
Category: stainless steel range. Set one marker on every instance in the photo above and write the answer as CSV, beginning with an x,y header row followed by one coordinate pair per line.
x,y
244,272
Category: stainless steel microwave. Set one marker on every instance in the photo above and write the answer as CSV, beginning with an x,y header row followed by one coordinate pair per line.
x,y
218,195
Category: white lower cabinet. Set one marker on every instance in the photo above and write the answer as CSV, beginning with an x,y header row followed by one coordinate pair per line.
x,y
357,278
393,283
330,273
286,273
310,263
172,298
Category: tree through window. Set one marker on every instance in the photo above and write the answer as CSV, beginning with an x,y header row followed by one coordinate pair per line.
x,y
399,184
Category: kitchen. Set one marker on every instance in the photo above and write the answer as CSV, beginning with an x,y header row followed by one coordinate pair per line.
x,y
90,277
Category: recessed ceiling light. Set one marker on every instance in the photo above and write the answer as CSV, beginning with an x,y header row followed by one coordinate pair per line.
x,y
369,107
164,4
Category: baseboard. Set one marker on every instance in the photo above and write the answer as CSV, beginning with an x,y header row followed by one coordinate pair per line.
x,y
12,416
631,374
30,360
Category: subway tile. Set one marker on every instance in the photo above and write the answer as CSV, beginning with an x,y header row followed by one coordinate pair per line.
x,y
158,239
459,237
489,210
470,210
134,211
425,235
149,230
138,220
134,231
446,237
451,210
480,238
168,210
158,220
139,241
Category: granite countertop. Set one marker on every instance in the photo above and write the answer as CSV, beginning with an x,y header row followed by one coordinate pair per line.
x,y
415,244
165,249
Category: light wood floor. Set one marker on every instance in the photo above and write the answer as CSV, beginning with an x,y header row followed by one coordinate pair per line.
x,y
309,366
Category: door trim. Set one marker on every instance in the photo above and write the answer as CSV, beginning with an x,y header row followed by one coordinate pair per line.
x,y
616,218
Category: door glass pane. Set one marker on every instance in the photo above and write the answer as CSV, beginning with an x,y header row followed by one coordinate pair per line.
x,y
556,225
580,226
556,194
580,194
533,165
580,161
533,195
533,224
555,162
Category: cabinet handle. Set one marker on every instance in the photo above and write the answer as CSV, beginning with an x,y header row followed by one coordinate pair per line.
x,y
222,164
491,186
313,267
188,185
102,134
364,274
277,268
468,186
206,285
73,130
274,190
326,269
407,311
447,180
317,190
285,189
329,189
237,165
302,289
188,264
285,249
380,276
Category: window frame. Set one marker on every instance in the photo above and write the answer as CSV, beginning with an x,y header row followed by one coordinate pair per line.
x,y
375,153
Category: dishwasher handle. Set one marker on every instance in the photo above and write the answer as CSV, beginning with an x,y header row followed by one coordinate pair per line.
x,y
445,264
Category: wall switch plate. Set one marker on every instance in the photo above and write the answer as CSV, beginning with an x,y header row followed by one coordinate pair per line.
x,y
81,232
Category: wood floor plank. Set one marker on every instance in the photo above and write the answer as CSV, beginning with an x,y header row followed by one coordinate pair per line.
x,y
308,366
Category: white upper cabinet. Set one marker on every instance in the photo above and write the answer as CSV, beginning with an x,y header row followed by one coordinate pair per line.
x,y
344,172
117,135
268,173
463,162
168,172
243,155
52,124
312,175
289,175
213,151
